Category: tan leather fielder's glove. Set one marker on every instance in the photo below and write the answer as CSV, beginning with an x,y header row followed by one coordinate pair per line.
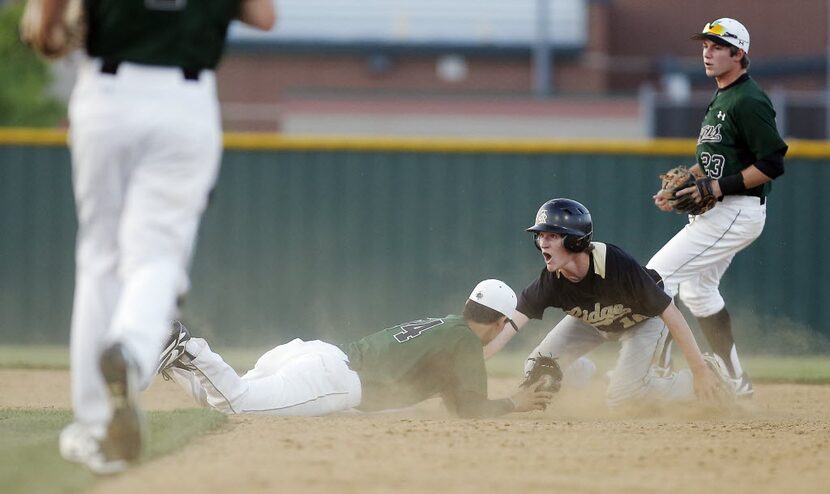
x,y
65,34
679,178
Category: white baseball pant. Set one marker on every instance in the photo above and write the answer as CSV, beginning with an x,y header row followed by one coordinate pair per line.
x,y
632,378
146,146
693,262
299,378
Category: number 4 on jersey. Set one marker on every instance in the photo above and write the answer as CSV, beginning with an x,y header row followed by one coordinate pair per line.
x,y
415,328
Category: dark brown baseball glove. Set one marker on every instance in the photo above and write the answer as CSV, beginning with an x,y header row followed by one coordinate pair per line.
x,y
544,368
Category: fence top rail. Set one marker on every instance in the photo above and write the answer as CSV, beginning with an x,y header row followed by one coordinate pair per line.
x,y
280,142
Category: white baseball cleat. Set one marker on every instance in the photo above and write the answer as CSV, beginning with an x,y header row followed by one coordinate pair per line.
x,y
174,353
743,388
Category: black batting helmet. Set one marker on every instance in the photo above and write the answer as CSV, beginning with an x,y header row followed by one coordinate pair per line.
x,y
568,218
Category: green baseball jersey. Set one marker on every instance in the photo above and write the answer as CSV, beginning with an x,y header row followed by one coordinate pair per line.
x,y
738,130
180,33
410,362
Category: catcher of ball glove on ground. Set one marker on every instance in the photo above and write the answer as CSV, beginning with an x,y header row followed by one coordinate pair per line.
x,y
55,39
679,178
544,369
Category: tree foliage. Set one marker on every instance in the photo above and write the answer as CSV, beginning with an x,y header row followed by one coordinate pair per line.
x,y
25,79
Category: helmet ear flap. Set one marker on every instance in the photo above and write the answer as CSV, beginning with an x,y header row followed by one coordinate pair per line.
x,y
576,244
571,243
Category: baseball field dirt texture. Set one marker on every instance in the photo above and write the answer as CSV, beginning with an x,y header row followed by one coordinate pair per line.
x,y
779,442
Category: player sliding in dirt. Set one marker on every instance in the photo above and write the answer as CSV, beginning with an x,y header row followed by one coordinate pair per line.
x,y
607,295
393,368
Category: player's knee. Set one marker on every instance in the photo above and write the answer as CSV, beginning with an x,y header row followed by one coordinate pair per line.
x,y
579,373
168,270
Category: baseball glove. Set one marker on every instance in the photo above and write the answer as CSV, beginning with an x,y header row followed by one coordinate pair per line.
x,y
679,178
66,34
543,368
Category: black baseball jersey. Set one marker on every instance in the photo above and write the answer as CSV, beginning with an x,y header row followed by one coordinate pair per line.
x,y
738,130
179,33
410,362
616,294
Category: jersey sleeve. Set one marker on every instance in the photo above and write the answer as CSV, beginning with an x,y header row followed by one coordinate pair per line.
x,y
650,298
653,300
534,299
466,395
757,127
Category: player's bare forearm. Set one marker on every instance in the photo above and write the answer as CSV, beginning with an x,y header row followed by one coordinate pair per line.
x,y
507,334
683,337
705,383
753,177
259,14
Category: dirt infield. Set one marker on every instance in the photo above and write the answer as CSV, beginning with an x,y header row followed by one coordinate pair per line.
x,y
778,442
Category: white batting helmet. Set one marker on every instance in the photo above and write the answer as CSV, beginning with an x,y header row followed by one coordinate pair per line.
x,y
496,295
726,30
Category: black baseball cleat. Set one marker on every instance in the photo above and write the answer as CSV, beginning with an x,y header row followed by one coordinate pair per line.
x,y
122,442
174,353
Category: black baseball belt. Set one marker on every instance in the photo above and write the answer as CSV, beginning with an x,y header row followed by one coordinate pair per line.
x,y
111,67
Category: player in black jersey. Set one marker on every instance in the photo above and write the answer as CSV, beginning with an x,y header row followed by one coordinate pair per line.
x,y
607,295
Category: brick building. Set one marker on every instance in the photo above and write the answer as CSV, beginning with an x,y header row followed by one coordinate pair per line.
x,y
349,66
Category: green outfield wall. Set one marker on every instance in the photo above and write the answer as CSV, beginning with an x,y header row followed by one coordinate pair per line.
x,y
332,237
